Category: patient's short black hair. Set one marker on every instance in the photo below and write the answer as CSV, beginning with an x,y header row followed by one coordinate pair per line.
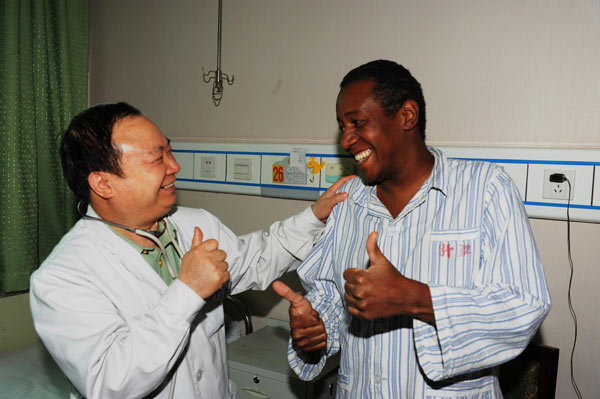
x,y
394,84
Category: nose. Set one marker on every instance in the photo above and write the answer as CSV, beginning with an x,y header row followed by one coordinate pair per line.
x,y
173,165
348,138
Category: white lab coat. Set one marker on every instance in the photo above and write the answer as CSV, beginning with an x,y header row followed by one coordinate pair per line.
x,y
118,331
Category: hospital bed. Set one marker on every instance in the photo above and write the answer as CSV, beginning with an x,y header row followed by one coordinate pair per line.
x,y
30,373
26,369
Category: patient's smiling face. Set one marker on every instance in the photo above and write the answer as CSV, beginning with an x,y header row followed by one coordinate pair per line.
x,y
372,137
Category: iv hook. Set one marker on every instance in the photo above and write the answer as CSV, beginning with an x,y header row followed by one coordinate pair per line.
x,y
217,75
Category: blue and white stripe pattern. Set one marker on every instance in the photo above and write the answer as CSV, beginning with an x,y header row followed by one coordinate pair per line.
x,y
466,235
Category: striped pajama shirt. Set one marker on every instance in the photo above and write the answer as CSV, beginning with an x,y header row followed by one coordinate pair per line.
x,y
465,234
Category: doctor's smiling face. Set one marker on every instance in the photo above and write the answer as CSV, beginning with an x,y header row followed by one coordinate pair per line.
x,y
146,191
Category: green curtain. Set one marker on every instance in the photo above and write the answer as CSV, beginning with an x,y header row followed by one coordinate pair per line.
x,y
43,84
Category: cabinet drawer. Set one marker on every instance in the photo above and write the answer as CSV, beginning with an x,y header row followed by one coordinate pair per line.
x,y
253,386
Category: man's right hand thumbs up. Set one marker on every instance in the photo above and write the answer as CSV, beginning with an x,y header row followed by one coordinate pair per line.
x,y
203,268
308,330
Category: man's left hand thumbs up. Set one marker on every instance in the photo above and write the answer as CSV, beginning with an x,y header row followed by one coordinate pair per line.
x,y
381,291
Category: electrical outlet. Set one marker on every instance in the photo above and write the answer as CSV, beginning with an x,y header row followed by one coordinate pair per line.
x,y
208,166
559,190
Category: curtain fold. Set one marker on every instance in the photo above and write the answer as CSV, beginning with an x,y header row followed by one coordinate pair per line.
x,y
43,84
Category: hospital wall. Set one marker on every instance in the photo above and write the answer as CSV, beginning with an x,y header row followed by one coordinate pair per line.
x,y
513,73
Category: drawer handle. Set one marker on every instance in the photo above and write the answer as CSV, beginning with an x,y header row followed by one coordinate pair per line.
x,y
257,393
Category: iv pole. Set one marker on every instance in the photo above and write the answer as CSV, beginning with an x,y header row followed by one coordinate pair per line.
x,y
217,75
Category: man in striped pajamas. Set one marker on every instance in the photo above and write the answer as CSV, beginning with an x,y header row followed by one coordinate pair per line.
x,y
428,277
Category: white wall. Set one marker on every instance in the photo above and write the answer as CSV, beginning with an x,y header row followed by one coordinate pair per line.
x,y
517,73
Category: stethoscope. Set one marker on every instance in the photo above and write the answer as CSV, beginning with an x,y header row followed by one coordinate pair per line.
x,y
153,236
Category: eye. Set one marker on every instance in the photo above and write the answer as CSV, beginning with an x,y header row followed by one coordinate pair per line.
x,y
357,123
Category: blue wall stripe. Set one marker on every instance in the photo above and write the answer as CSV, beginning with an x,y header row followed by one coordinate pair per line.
x,y
531,203
530,161
551,204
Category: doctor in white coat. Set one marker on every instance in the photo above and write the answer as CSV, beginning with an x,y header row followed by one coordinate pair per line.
x,y
129,303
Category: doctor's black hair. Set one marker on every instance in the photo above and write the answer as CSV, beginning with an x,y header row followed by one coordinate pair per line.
x,y
394,84
87,145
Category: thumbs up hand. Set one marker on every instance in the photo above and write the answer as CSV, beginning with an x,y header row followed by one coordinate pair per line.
x,y
381,291
308,330
203,267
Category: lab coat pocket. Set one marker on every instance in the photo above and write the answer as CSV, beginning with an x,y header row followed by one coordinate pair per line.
x,y
213,310
213,322
454,255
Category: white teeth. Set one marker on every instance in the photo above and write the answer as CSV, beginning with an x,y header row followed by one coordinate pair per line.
x,y
362,155
169,185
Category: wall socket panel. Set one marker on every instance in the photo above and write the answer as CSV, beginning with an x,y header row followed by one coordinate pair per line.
x,y
208,165
530,169
559,190
579,173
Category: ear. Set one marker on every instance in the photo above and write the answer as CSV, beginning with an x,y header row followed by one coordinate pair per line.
x,y
100,184
409,115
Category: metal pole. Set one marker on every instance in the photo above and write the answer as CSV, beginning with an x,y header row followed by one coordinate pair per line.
x,y
219,37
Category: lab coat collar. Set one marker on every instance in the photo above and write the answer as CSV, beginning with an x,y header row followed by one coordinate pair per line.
x,y
125,253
